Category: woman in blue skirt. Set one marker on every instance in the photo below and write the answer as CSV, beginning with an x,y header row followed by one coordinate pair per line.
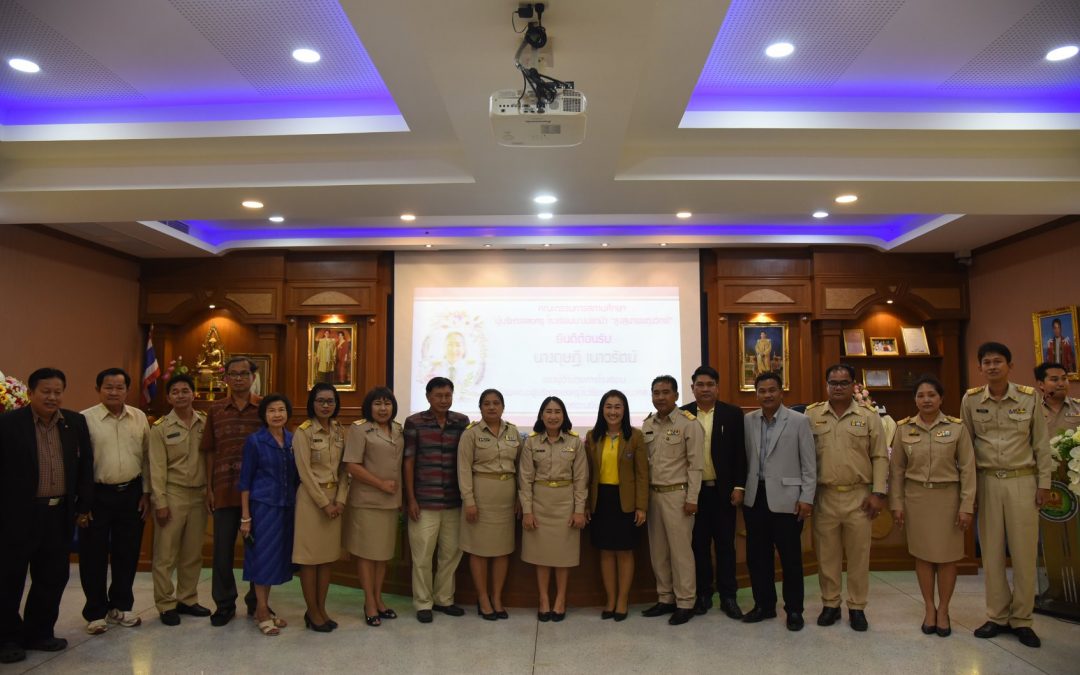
x,y
268,482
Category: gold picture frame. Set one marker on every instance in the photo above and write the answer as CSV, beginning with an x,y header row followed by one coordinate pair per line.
x,y
854,342
262,382
768,351
915,343
877,378
1055,338
884,346
331,355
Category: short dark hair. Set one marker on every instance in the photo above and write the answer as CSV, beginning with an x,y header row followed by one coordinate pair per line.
x,y
322,386
1055,322
45,374
438,383
377,393
994,348
930,380
180,378
566,424
252,366
110,372
600,429
274,398
1043,368
840,366
769,375
665,378
707,371
484,394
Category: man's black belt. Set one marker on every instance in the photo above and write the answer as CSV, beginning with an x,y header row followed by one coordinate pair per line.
x,y
120,487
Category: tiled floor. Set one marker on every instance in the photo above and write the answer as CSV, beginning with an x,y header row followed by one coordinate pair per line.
x,y
582,643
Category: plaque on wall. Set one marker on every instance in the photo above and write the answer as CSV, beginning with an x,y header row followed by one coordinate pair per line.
x,y
854,342
915,343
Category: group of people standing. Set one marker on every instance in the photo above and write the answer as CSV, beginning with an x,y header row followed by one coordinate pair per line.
x,y
298,497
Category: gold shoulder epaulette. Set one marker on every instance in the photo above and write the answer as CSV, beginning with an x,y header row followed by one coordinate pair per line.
x,y
1024,389
470,425
306,424
688,415
974,390
815,405
904,421
200,414
1075,400
535,433
866,405
571,433
360,421
159,421
954,420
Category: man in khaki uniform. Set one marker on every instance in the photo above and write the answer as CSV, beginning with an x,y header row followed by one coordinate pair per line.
x,y
1012,454
178,489
1061,411
852,465
674,439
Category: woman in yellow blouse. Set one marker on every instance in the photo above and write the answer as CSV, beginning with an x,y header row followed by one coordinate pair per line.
x,y
487,472
618,497
320,500
932,496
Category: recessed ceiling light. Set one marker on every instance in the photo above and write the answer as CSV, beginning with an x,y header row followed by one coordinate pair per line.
x,y
427,245
821,214
1062,53
306,55
847,199
546,215
683,214
251,204
545,199
487,245
24,65
408,217
547,245
212,306
276,219
888,302
663,243
604,244
778,50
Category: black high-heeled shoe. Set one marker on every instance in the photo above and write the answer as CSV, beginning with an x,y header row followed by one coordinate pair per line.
x,y
502,614
928,630
947,630
373,621
543,616
486,617
620,616
330,622
317,627
558,616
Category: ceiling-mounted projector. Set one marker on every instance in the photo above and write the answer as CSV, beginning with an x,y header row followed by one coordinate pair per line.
x,y
518,121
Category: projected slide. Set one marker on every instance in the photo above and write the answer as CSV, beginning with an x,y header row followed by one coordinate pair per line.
x,y
529,343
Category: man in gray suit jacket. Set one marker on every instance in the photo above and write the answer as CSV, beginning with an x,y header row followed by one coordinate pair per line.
x,y
780,483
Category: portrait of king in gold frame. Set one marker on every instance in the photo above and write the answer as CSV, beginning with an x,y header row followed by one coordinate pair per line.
x,y
332,355
1055,338
763,347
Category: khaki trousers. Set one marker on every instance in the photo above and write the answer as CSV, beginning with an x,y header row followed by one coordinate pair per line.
x,y
441,529
842,529
1008,515
671,549
178,546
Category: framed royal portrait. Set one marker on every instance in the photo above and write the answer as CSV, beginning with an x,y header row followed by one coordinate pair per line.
x,y
884,346
763,347
262,382
877,378
915,343
1055,338
332,355
854,342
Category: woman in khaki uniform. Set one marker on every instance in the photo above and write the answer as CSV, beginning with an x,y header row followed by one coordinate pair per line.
x,y
487,469
618,497
932,496
553,478
320,500
373,453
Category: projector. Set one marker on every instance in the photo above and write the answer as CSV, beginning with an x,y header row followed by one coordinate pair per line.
x,y
519,122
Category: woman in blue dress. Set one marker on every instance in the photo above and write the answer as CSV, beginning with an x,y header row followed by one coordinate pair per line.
x,y
268,482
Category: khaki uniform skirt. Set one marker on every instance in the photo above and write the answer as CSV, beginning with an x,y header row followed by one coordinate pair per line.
x,y
317,538
930,522
493,533
370,533
553,543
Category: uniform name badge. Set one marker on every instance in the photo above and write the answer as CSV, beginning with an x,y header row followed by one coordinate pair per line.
x,y
944,433
174,434
1018,411
858,423
674,432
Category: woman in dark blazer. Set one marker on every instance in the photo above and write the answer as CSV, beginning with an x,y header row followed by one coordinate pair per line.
x,y
618,497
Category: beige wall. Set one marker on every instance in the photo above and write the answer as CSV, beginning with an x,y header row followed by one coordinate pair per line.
x,y
1009,283
68,306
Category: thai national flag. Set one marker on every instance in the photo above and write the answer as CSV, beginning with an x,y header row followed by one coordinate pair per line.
x,y
151,372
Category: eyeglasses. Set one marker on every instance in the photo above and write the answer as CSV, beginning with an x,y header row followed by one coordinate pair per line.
x,y
839,385
325,401
239,376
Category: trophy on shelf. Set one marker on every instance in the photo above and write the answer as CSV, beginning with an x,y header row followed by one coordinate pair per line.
x,y
210,367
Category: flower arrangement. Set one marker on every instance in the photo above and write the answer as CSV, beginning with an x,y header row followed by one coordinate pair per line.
x,y
13,394
1065,447
862,396
176,366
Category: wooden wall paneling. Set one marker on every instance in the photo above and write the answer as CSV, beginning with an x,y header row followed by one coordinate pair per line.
x,y
330,297
804,373
769,295
830,337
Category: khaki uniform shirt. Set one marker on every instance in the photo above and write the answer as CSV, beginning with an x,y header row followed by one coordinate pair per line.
x,y
121,445
675,450
482,451
705,419
318,460
937,453
175,458
543,459
1009,433
381,454
851,448
1068,417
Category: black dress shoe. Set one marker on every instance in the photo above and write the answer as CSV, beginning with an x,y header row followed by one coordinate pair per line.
x,y
681,616
52,644
558,616
543,617
795,621
659,609
731,608
10,652
192,610
222,616
620,616
828,616
758,614
703,604
491,616
502,614
170,617
607,614
449,610
857,619
991,629
1027,637
424,616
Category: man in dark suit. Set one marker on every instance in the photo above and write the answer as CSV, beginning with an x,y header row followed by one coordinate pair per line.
x,y
722,484
46,476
